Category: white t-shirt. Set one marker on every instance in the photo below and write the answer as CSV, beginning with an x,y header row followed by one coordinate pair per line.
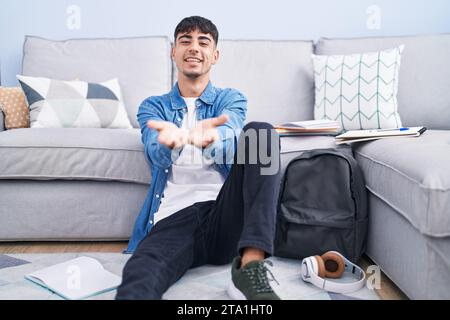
x,y
193,178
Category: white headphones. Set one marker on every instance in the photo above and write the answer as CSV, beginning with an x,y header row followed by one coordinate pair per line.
x,y
332,264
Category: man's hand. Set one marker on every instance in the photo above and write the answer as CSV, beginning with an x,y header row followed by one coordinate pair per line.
x,y
169,134
205,132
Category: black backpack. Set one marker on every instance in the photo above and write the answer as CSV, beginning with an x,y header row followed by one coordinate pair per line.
x,y
322,206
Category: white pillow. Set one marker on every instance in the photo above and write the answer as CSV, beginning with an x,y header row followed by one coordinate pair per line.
x,y
74,104
358,90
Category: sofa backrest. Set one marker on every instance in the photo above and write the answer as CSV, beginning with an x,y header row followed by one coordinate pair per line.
x,y
142,64
424,76
275,76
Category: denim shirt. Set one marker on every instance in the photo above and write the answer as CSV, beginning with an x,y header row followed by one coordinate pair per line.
x,y
171,107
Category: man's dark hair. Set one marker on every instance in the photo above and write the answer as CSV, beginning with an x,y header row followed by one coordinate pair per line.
x,y
189,24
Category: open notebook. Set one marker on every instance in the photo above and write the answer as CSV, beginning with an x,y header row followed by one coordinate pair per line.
x,y
373,134
78,278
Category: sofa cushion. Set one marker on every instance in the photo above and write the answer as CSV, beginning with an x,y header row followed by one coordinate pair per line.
x,y
424,79
412,175
358,90
142,65
72,153
74,104
98,154
275,76
292,147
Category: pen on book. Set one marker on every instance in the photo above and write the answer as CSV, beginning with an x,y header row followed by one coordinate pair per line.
x,y
392,129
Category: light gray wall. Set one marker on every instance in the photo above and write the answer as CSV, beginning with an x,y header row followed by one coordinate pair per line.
x,y
235,19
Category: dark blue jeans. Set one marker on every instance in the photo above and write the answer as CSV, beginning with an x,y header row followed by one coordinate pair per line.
x,y
211,232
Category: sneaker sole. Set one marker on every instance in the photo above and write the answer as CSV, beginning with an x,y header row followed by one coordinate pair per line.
x,y
235,293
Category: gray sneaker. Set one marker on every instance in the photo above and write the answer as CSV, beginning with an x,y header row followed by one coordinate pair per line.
x,y
251,282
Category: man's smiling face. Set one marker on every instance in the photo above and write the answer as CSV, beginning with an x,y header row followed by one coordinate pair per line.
x,y
194,53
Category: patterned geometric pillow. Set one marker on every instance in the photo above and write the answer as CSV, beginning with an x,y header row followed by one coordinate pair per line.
x,y
358,90
14,107
74,104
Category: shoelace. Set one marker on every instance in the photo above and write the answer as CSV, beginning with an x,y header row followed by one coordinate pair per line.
x,y
258,277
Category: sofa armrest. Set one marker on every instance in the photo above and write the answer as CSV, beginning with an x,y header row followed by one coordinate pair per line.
x,y
2,121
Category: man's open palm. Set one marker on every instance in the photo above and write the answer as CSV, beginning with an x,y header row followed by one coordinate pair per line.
x,y
169,134
205,132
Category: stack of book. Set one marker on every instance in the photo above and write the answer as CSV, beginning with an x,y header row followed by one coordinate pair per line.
x,y
309,127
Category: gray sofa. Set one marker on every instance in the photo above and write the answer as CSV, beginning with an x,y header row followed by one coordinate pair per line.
x,y
89,184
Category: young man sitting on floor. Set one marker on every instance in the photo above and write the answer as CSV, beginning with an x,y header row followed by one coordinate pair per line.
x,y
212,198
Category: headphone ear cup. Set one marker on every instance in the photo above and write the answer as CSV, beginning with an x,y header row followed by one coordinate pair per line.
x,y
304,269
333,264
321,271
